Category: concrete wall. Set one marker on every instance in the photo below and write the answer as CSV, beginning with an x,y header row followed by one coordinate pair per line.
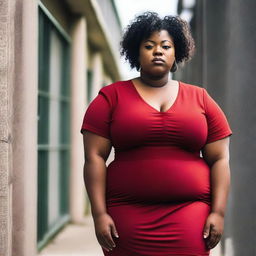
x,y
225,37
240,73
6,88
18,134
25,129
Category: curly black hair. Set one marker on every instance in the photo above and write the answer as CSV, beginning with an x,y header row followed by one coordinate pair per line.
x,y
148,22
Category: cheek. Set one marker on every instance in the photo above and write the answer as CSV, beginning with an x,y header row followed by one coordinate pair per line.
x,y
144,57
173,53
171,56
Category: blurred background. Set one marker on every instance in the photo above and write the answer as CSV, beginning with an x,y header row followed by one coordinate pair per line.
x,y
54,58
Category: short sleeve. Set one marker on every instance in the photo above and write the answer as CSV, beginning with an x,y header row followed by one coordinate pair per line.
x,y
218,126
97,117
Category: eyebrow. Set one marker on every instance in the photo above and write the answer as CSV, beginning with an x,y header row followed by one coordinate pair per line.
x,y
148,40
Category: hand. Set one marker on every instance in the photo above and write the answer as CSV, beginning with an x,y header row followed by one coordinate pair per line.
x,y
104,227
213,229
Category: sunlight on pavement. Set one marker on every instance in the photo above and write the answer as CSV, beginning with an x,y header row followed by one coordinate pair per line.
x,y
75,240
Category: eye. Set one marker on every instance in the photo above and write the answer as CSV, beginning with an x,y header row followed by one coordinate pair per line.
x,y
166,47
148,47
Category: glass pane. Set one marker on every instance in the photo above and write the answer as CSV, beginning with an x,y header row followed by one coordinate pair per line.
x,y
55,64
42,195
55,80
43,119
65,88
64,124
53,188
64,180
44,43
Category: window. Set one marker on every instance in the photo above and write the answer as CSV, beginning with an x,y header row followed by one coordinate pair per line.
x,y
53,128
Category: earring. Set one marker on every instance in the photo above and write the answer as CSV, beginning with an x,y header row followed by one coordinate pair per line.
x,y
174,67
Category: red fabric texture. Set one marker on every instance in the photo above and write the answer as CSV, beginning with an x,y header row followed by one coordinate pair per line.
x,y
158,186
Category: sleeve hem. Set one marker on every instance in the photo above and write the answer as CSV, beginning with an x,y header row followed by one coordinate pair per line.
x,y
221,136
94,130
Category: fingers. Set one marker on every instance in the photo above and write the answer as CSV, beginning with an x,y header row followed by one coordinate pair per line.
x,y
206,229
105,231
114,231
213,238
105,239
106,242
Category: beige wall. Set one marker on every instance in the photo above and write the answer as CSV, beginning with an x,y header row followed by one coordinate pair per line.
x,y
6,88
24,121
18,138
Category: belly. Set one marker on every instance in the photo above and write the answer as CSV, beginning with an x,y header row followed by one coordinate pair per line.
x,y
157,178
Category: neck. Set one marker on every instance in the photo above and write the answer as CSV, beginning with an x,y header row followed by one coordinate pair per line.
x,y
154,81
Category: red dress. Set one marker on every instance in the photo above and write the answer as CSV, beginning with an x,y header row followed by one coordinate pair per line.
x,y
158,185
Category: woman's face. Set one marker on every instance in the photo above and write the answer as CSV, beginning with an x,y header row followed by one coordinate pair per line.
x,y
157,53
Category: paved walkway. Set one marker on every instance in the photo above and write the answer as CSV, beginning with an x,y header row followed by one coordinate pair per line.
x,y
75,240
80,240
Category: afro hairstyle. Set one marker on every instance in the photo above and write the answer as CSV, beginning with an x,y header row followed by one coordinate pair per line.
x,y
148,22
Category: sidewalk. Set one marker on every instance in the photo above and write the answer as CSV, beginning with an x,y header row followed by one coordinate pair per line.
x,y
80,240
75,240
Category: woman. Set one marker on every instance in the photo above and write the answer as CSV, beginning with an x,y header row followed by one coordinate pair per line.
x,y
160,196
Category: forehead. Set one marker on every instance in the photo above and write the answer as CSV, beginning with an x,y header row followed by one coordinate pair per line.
x,y
161,36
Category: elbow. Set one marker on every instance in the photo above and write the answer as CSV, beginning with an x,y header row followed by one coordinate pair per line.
x,y
92,158
214,157
223,159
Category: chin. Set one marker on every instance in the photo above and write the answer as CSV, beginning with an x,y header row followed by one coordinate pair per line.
x,y
157,72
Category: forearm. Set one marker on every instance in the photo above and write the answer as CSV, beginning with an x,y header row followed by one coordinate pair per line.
x,y
220,182
95,183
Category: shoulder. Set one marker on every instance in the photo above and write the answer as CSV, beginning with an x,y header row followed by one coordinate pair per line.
x,y
113,87
111,91
192,87
193,91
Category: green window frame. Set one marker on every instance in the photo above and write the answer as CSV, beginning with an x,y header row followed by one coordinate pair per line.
x,y
53,127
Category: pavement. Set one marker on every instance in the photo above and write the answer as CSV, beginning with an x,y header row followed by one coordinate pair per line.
x,y
75,240
80,240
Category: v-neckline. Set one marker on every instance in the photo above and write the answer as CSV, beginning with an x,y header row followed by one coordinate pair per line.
x,y
156,110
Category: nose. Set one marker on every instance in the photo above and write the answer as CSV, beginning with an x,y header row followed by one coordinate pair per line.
x,y
157,50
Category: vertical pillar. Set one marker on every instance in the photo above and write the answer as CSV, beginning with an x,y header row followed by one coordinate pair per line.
x,y
78,106
24,126
97,79
240,94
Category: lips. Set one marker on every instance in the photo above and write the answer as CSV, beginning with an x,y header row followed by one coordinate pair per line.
x,y
158,60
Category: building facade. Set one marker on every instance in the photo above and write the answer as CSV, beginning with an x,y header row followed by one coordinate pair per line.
x,y
224,63
54,58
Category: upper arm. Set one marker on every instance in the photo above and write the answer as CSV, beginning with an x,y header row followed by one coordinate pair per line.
x,y
95,145
98,115
216,150
217,123
219,132
96,125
